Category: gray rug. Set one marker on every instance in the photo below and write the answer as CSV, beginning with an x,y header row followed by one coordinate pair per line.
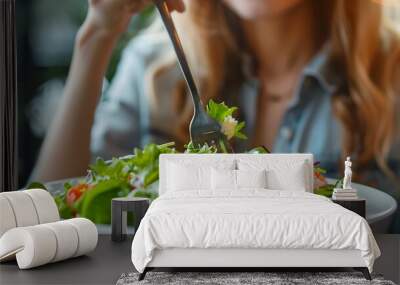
x,y
232,278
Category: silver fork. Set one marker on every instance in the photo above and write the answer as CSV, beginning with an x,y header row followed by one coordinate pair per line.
x,y
202,129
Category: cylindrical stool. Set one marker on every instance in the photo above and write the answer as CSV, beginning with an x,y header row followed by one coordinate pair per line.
x,y
119,208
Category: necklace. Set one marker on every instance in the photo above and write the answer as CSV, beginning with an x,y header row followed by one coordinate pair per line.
x,y
276,97
278,92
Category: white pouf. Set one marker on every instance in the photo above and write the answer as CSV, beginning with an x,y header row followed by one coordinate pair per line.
x,y
23,210
32,246
87,235
26,208
66,237
32,233
37,245
45,206
7,218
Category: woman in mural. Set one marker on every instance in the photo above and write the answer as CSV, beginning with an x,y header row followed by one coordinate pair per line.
x,y
307,76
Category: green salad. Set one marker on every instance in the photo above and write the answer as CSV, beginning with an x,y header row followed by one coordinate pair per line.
x,y
137,174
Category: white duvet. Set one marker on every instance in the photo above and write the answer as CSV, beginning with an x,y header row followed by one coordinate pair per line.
x,y
253,218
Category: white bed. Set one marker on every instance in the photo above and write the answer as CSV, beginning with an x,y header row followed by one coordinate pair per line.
x,y
248,227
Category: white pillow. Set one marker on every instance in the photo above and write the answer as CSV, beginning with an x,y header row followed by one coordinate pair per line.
x,y
251,178
223,179
183,177
186,174
293,179
236,179
282,174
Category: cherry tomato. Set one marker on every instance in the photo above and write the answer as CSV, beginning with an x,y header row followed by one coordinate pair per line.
x,y
75,192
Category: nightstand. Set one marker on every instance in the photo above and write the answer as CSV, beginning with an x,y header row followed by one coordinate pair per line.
x,y
357,206
119,208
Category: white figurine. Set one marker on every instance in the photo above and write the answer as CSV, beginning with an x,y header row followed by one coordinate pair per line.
x,y
347,174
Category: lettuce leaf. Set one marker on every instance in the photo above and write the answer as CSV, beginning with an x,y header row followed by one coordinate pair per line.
x,y
219,111
95,204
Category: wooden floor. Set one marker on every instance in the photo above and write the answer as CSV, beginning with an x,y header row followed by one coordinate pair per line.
x,y
110,260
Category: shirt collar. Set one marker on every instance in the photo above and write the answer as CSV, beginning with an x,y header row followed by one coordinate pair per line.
x,y
324,71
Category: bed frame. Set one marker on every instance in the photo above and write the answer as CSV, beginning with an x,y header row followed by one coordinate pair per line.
x,y
246,259
242,259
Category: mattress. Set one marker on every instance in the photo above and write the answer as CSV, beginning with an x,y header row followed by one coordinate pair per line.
x,y
250,219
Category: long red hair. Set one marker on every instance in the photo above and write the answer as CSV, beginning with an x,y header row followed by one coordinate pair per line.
x,y
363,47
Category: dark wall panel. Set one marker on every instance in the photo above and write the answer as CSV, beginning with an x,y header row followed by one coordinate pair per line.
x,y
8,97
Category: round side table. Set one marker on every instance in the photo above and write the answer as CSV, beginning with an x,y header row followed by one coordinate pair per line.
x,y
119,209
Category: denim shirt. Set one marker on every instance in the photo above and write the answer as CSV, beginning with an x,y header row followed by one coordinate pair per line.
x,y
123,120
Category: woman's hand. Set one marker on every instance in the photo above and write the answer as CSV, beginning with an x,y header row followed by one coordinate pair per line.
x,y
112,17
105,22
